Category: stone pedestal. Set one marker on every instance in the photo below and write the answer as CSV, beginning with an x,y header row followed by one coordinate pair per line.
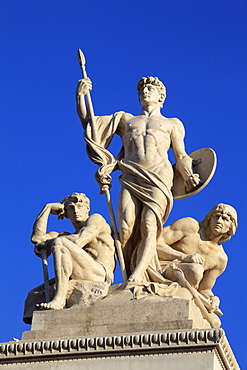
x,y
125,330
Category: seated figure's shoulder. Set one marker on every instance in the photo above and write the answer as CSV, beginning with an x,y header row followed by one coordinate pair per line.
x,y
96,220
96,217
187,225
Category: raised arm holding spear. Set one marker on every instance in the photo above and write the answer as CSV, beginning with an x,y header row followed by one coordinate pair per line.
x,y
106,187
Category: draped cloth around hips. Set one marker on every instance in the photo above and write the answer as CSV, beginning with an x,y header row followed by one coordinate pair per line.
x,y
146,186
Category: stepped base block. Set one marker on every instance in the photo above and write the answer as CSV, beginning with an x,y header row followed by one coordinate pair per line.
x,y
124,310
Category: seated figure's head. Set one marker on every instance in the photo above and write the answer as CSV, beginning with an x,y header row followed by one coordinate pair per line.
x,y
229,217
75,199
145,81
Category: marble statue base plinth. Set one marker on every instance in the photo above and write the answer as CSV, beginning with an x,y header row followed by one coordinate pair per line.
x,y
124,310
128,329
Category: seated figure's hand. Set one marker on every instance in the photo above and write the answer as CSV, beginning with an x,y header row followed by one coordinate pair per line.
x,y
44,245
84,86
191,182
194,258
215,302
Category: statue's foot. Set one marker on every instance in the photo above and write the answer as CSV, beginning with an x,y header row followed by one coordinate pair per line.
x,y
53,305
134,279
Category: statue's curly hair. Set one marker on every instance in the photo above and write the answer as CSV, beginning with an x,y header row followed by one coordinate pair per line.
x,y
74,198
153,81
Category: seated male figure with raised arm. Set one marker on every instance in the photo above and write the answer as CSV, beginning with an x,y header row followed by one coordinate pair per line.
x,y
196,248
87,254
145,200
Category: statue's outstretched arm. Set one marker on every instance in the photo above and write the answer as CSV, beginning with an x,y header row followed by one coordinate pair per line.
x,y
206,285
167,253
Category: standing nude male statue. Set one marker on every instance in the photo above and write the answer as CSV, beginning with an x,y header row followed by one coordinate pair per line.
x,y
87,254
197,250
145,200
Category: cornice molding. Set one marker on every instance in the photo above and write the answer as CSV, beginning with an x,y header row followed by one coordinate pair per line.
x,y
121,345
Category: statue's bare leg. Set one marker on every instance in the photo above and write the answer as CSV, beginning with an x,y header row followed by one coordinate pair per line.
x,y
70,261
147,247
63,270
128,209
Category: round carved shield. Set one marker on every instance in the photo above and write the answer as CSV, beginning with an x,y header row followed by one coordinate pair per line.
x,y
204,164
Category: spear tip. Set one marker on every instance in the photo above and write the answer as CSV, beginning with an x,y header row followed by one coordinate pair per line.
x,y
81,58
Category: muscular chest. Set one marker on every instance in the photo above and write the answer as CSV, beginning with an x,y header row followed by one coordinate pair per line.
x,y
214,255
146,140
141,125
145,125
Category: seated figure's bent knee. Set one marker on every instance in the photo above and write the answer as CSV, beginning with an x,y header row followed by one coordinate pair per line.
x,y
58,245
197,272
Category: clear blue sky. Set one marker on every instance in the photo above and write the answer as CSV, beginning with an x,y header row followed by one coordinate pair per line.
x,y
197,48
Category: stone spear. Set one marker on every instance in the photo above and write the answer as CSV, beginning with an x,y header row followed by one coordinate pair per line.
x,y
82,62
45,273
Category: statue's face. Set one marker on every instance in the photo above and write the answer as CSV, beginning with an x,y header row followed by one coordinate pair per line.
x,y
220,223
149,95
77,212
